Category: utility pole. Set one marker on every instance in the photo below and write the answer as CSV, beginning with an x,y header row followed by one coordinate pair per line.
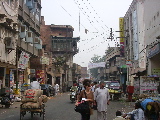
x,y
111,35
17,77
111,38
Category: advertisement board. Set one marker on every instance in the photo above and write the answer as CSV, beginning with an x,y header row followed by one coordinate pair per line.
x,y
23,60
40,74
135,36
148,84
96,65
121,34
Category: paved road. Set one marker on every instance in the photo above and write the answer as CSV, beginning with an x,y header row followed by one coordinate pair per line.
x,y
60,108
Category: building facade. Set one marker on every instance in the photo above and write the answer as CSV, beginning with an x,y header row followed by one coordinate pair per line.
x,y
19,34
29,44
76,73
112,72
142,31
58,41
8,40
84,73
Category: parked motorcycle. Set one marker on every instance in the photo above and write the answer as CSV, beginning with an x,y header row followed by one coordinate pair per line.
x,y
5,100
73,96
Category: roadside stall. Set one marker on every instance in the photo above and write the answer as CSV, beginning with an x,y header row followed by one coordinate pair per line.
x,y
115,94
149,96
148,85
114,90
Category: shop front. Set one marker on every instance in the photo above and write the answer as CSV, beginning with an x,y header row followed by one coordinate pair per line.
x,y
146,85
39,65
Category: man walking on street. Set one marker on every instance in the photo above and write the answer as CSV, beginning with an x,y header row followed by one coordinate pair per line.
x,y
101,98
56,86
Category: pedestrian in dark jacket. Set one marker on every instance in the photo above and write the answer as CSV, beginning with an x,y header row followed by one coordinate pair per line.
x,y
86,95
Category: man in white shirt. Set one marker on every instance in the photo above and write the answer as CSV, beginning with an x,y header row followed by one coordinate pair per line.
x,y
102,97
35,84
56,88
138,113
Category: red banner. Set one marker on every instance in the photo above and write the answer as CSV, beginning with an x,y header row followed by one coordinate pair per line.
x,y
40,74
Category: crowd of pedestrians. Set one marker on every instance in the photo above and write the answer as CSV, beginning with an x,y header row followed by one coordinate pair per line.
x,y
97,95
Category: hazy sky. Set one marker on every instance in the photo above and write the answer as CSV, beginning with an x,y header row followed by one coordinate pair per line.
x,y
97,16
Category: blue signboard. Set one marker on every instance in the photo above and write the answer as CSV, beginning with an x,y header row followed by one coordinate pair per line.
x,y
153,51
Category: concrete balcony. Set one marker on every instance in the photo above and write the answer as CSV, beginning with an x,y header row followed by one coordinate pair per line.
x,y
114,53
28,47
65,50
10,12
8,16
29,18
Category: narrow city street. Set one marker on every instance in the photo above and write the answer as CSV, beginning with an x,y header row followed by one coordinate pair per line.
x,y
60,108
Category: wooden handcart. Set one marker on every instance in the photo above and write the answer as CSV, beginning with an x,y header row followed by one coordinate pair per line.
x,y
32,111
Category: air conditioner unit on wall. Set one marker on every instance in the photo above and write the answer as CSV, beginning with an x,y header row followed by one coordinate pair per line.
x,y
34,7
38,43
30,4
22,33
10,44
29,38
38,46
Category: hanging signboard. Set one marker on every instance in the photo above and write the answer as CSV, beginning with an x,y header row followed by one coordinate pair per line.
x,y
23,60
11,78
44,60
121,34
154,50
96,65
128,63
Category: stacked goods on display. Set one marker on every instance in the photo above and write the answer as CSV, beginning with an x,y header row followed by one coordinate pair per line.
x,y
143,96
33,98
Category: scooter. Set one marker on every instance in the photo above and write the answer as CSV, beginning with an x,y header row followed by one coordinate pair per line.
x,y
73,96
5,100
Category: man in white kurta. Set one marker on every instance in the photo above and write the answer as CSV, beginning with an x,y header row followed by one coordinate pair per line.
x,y
35,84
56,89
101,96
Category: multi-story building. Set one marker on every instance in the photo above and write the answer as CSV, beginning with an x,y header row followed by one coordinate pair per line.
x,y
113,64
142,31
19,34
76,72
58,41
84,73
116,68
8,40
29,44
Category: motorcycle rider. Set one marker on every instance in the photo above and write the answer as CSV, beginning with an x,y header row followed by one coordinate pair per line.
x,y
12,97
74,88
